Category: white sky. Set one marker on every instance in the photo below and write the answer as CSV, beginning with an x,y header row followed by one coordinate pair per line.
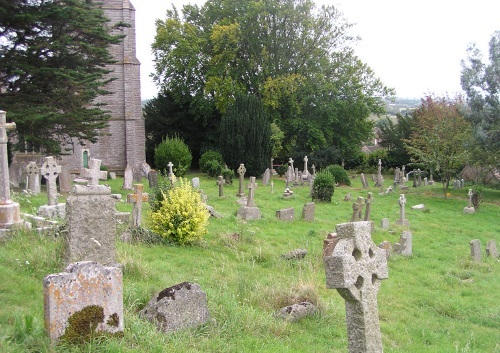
x,y
413,46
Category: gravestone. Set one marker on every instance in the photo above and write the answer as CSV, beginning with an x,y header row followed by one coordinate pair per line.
x,y
379,181
65,179
347,197
94,172
475,250
469,209
308,211
128,178
33,177
363,181
305,173
50,171
295,312
387,247
170,165
90,222
356,268
250,211
178,307
241,173
145,169
266,177
404,246
357,209
220,183
368,203
112,175
397,176
251,192
153,179
491,249
426,182
419,174
313,167
285,214
402,221
289,176
84,300
136,199
296,180
9,210
290,163
384,224
272,187
195,183
329,244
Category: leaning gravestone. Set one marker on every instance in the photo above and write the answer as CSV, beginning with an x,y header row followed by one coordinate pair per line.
x,y
285,214
84,300
181,306
266,177
363,181
308,211
475,250
356,268
91,225
404,246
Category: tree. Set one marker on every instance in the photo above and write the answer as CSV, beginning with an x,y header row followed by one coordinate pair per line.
x,y
481,83
440,137
52,67
295,57
246,135
393,134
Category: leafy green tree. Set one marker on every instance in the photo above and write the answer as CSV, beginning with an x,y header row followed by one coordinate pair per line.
x,y
246,135
481,83
440,137
52,66
295,57
393,134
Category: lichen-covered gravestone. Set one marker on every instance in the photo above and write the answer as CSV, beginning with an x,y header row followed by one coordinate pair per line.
x,y
356,268
91,225
84,300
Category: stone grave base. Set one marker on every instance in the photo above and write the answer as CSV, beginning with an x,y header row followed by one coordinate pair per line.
x,y
248,212
52,211
469,210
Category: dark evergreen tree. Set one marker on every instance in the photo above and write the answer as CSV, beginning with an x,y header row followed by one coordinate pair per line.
x,y
246,135
52,66
393,135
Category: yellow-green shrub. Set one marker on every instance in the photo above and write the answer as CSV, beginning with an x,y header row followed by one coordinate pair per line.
x,y
182,216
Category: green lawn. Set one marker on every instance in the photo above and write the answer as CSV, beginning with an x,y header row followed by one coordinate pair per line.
x,y
434,301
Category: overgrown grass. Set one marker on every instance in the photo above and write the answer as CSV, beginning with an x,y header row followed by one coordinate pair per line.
x,y
434,301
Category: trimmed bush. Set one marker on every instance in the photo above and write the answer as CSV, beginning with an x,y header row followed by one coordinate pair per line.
x,y
156,195
176,151
323,187
182,217
339,174
228,175
206,159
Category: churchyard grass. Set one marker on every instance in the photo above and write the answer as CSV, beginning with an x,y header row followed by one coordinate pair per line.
x,y
436,300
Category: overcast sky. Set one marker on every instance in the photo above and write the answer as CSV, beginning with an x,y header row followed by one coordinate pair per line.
x,y
413,46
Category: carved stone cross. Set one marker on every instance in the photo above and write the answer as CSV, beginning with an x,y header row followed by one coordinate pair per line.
x,y
306,172
4,170
170,171
470,198
93,172
313,167
50,171
290,161
251,192
137,198
356,268
402,202
368,203
241,172
357,210
33,172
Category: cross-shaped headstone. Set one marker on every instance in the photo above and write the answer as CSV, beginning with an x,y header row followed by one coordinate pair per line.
x,y
220,183
93,172
368,203
241,172
251,192
4,171
306,172
356,268
313,167
50,171
470,198
402,202
33,173
137,198
170,171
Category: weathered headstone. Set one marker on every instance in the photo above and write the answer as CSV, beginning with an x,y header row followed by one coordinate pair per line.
x,y
195,183
296,312
306,171
170,165
426,182
329,244
290,163
384,224
356,268
251,192
241,172
404,246
347,197
112,175
153,179
181,306
296,180
475,250
9,210
220,183
469,209
397,176
128,178
94,172
308,211
50,171
83,301
249,213
65,179
387,247
266,177
379,181
313,167
286,214
368,203
363,181
137,198
33,177
289,176
491,249
357,209
90,221
419,174
402,202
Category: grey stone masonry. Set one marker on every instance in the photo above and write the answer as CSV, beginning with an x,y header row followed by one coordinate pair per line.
x,y
356,268
93,172
251,192
475,250
308,211
86,295
64,180
296,312
285,214
181,306
153,179
90,221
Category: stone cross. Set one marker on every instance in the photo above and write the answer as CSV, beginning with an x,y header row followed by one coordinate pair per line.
x,y
290,161
170,171
241,172
356,268
357,209
306,172
50,171
470,198
402,202
220,183
368,203
4,163
33,172
251,192
380,179
313,167
93,172
137,198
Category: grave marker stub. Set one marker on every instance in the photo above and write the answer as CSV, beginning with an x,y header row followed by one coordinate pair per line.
x,y
220,183
368,203
356,268
50,171
85,299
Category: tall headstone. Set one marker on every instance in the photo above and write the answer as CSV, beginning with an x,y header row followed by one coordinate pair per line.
x,y
470,208
402,202
290,163
9,210
251,192
368,203
356,268
84,300
313,167
306,171
357,209
137,198
241,173
475,250
363,181
33,177
220,183
308,211
91,225
379,181
65,179
170,165
153,179
50,171
128,178
266,177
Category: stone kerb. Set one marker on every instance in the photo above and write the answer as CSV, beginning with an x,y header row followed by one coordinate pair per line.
x,y
85,299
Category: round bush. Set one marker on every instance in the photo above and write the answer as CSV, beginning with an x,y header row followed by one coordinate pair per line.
x,y
207,157
182,217
176,151
339,174
323,187
214,168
